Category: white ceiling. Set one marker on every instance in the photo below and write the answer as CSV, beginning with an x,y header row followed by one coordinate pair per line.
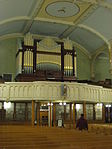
x,y
46,28
87,39
15,8
101,21
22,16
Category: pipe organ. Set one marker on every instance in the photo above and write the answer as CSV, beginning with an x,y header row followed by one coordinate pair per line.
x,y
45,59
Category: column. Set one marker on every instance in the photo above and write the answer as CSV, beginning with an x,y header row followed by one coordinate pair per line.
x,y
94,113
64,112
38,113
33,110
54,114
14,114
70,112
84,109
3,111
50,110
74,108
103,113
26,111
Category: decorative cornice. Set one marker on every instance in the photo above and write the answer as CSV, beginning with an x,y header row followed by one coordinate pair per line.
x,y
53,21
101,3
35,11
13,35
19,18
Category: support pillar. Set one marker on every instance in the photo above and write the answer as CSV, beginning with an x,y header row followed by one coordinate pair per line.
x,y
50,115
14,114
70,115
33,112
103,113
26,111
70,112
38,113
84,109
74,123
64,112
3,111
94,113
54,114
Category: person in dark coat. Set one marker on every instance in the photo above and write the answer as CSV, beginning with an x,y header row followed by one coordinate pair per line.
x,y
82,123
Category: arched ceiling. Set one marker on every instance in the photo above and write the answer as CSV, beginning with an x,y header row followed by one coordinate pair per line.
x,y
87,22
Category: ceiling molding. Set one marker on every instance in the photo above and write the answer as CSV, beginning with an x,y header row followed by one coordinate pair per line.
x,y
34,13
54,21
20,18
68,31
12,35
101,3
96,33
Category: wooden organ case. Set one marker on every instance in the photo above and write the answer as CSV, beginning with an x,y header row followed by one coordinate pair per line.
x,y
40,60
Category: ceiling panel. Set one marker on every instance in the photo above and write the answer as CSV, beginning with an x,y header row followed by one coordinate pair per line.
x,y
45,28
101,21
13,27
110,1
87,39
15,8
65,10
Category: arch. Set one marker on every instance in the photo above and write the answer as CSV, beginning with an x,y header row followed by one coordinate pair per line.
x,y
93,61
19,18
12,35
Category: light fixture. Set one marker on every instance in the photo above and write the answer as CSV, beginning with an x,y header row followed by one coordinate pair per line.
x,y
78,106
99,104
51,104
7,105
108,106
64,103
60,103
48,104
